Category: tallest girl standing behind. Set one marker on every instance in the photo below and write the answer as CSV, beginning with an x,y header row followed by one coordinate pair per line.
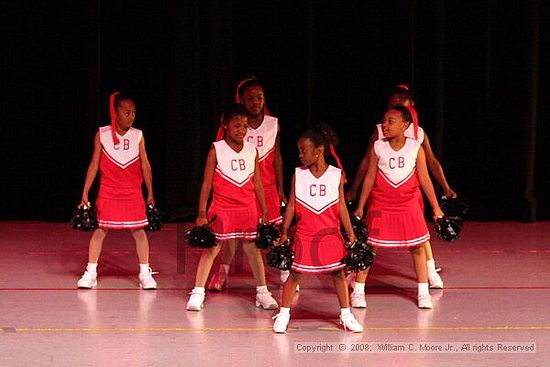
x,y
263,133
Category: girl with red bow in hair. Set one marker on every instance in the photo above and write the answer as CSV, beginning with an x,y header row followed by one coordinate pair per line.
x,y
396,171
120,157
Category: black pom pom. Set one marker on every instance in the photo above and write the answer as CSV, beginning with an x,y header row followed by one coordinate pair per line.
x,y
359,229
201,237
84,218
452,207
153,217
359,257
266,236
280,257
448,228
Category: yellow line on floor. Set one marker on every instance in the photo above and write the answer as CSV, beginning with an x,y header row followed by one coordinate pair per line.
x,y
180,329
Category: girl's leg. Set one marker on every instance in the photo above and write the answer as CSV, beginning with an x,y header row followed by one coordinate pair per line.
x,y
255,261
339,280
205,264
196,298
358,295
219,279
89,278
346,317
289,290
146,280
419,258
96,245
428,248
263,296
433,277
142,245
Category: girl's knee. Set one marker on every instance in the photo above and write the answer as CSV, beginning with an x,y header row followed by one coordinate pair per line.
x,y
250,248
212,251
100,233
138,233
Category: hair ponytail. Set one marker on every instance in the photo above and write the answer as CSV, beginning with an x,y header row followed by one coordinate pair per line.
x,y
324,135
112,113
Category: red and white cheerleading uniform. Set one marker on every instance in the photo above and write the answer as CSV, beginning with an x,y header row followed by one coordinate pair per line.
x,y
395,216
318,243
409,133
120,203
234,197
264,137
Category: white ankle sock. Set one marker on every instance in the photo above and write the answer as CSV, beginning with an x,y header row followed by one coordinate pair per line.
x,y
423,288
345,311
91,267
359,287
198,290
261,289
284,311
143,268
431,265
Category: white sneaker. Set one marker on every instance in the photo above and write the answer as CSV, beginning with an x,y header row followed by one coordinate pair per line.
x,y
146,280
196,301
425,301
349,322
358,300
435,280
266,301
88,280
281,322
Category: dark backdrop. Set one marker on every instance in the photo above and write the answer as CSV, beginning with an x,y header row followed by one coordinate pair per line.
x,y
479,71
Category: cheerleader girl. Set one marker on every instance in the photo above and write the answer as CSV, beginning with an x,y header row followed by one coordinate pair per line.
x,y
232,174
395,218
317,201
120,156
400,96
263,133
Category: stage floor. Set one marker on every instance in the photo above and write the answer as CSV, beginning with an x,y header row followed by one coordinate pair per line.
x,y
494,310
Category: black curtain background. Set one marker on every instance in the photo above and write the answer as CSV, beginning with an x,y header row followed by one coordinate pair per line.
x,y
479,71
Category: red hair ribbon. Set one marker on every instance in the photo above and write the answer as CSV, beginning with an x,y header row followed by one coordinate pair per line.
x,y
219,133
238,97
414,116
334,155
112,113
338,162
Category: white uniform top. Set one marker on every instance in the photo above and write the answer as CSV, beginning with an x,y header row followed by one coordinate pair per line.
x,y
264,136
235,167
127,151
409,133
396,166
317,194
